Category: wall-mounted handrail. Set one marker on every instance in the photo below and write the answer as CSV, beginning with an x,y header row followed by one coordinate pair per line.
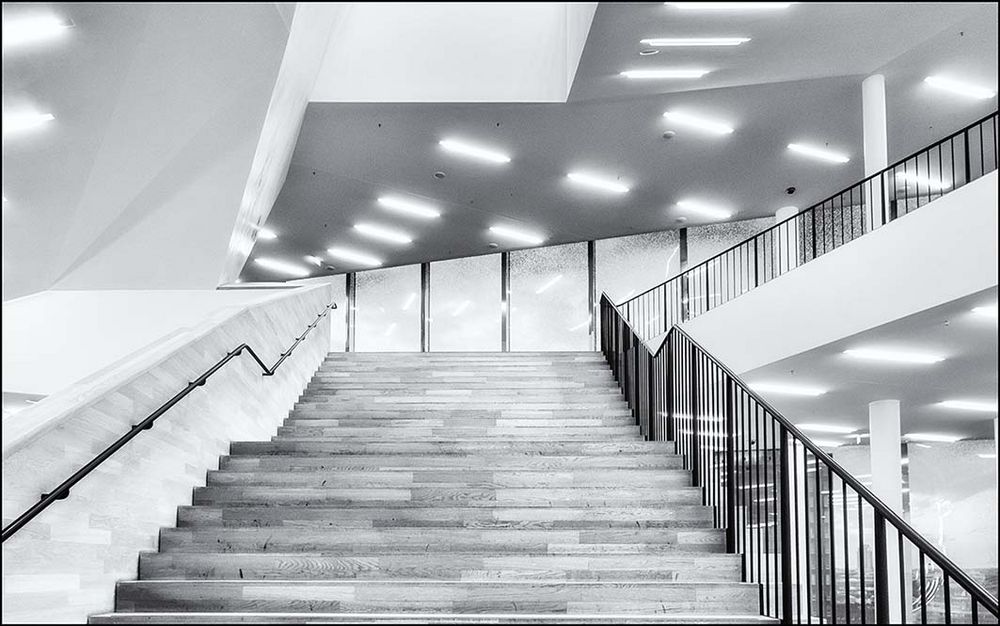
x,y
930,173
62,491
750,459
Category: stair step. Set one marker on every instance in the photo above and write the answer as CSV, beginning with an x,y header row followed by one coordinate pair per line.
x,y
431,496
414,596
453,478
676,516
690,567
445,448
425,618
360,540
449,433
457,422
304,461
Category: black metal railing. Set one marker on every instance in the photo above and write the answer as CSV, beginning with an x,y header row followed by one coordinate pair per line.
x,y
897,190
821,546
62,491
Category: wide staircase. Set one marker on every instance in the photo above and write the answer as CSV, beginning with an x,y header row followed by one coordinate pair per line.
x,y
437,487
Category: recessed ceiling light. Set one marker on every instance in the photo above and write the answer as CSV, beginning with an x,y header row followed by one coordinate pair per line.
x,y
826,428
315,260
970,405
664,73
548,284
517,235
712,212
818,153
25,30
409,207
932,437
385,234
686,119
282,267
353,257
648,52
986,311
960,88
476,152
893,356
668,42
788,390
930,183
266,233
729,6
597,182
24,120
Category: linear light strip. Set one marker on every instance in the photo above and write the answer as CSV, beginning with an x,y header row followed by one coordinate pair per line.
x,y
818,153
694,121
352,256
669,42
481,153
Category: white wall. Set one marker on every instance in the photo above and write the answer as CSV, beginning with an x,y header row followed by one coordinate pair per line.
x,y
943,251
443,52
53,339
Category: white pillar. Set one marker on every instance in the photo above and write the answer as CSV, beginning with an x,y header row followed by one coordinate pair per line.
x,y
787,242
876,144
885,448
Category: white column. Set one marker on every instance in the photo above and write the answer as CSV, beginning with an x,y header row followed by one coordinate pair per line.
x,y
876,144
786,241
887,484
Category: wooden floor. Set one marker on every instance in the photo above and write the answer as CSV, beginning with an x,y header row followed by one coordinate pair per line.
x,y
446,487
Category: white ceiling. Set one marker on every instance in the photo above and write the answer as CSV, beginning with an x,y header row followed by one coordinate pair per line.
x,y
967,341
348,154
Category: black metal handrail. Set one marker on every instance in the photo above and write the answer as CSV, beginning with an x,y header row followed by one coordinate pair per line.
x,y
776,493
62,491
901,188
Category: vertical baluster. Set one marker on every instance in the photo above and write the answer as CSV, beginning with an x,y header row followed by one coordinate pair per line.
x,y
881,571
730,467
861,561
904,611
947,598
696,452
847,559
819,543
923,589
786,529
833,548
808,545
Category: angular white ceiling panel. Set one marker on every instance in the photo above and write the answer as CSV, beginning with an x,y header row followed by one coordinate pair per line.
x,y
455,52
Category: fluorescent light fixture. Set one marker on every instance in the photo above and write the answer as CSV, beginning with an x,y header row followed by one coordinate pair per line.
x,y
315,260
986,311
987,456
461,308
282,267
930,183
729,6
25,30
551,282
409,301
402,205
818,153
670,42
597,182
266,233
352,256
700,123
476,152
932,437
25,120
893,356
826,428
385,234
827,443
970,405
517,235
960,88
788,390
712,212
664,73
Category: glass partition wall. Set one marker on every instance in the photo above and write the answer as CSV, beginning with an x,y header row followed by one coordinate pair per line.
x,y
551,292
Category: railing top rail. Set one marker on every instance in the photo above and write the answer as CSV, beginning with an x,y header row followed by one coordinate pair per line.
x,y
62,491
811,208
891,516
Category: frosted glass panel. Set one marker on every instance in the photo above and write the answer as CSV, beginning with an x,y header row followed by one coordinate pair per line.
x,y
704,242
627,266
465,304
338,316
548,299
387,315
